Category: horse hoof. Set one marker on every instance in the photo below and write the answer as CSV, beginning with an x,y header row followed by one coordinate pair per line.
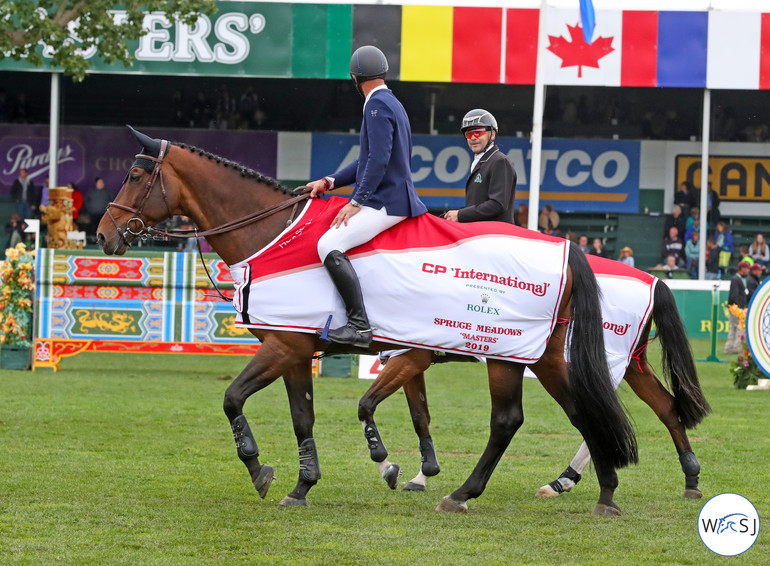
x,y
292,502
449,505
692,493
391,476
411,486
263,480
602,510
547,491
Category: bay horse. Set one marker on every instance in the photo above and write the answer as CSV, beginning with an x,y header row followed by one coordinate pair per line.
x,y
683,408
240,211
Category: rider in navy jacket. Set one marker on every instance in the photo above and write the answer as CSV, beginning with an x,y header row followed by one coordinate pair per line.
x,y
383,174
384,194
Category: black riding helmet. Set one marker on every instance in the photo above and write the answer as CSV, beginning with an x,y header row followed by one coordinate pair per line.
x,y
367,63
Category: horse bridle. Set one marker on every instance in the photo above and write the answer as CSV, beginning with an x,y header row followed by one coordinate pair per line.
x,y
137,227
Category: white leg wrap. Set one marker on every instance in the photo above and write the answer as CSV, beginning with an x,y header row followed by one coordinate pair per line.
x,y
581,459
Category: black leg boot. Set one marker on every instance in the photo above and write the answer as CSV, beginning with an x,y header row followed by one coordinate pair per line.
x,y
357,331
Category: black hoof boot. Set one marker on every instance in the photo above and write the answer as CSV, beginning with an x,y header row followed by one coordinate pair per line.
x,y
377,450
309,467
691,469
428,457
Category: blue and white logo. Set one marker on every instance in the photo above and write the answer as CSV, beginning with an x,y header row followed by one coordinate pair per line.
x,y
728,524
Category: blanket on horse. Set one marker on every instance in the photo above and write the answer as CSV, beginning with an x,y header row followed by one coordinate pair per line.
x,y
485,288
627,301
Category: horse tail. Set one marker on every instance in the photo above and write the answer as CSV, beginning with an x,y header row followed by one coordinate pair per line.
x,y
678,364
606,428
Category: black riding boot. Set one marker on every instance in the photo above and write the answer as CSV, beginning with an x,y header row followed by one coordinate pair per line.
x,y
357,331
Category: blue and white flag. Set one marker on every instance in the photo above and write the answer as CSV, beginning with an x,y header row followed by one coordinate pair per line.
x,y
588,18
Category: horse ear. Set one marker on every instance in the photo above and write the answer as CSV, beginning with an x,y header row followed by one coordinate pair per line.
x,y
150,145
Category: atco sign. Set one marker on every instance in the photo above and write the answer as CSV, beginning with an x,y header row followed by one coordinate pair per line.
x,y
586,175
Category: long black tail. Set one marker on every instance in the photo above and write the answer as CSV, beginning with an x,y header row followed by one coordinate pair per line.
x,y
606,427
678,363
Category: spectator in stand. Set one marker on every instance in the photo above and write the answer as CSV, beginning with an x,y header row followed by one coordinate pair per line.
x,y
724,239
6,109
693,226
694,214
25,195
22,113
597,248
77,200
754,278
713,216
548,221
760,251
670,266
626,256
200,115
739,296
249,108
583,243
712,259
683,198
692,253
522,215
180,118
14,230
95,204
676,219
673,245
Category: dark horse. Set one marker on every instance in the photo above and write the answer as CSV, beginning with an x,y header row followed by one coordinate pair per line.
x,y
681,409
240,212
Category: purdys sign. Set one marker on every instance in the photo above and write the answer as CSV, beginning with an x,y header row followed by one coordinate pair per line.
x,y
31,153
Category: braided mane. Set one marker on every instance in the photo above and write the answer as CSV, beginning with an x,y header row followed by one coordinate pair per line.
x,y
242,169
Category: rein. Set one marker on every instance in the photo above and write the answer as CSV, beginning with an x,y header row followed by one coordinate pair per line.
x,y
138,228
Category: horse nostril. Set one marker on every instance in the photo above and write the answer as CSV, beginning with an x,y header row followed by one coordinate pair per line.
x,y
100,240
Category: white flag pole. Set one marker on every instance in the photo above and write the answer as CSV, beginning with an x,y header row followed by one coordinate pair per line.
x,y
537,126
704,183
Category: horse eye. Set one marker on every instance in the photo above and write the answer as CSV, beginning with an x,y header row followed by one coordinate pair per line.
x,y
134,177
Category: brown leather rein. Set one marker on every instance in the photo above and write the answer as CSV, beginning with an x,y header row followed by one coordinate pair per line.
x,y
137,227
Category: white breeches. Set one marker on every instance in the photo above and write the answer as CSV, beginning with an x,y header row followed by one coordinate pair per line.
x,y
361,227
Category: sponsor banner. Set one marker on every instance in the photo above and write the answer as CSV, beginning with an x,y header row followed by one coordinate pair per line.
x,y
87,152
735,178
577,175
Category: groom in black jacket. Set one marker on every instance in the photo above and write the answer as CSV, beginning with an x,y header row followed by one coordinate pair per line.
x,y
491,185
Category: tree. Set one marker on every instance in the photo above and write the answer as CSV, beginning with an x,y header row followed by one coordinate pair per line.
x,y
69,30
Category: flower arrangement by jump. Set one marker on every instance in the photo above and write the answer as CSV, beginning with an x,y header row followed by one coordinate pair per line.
x,y
744,367
17,277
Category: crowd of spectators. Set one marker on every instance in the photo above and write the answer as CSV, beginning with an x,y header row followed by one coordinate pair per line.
x,y
15,108
220,110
